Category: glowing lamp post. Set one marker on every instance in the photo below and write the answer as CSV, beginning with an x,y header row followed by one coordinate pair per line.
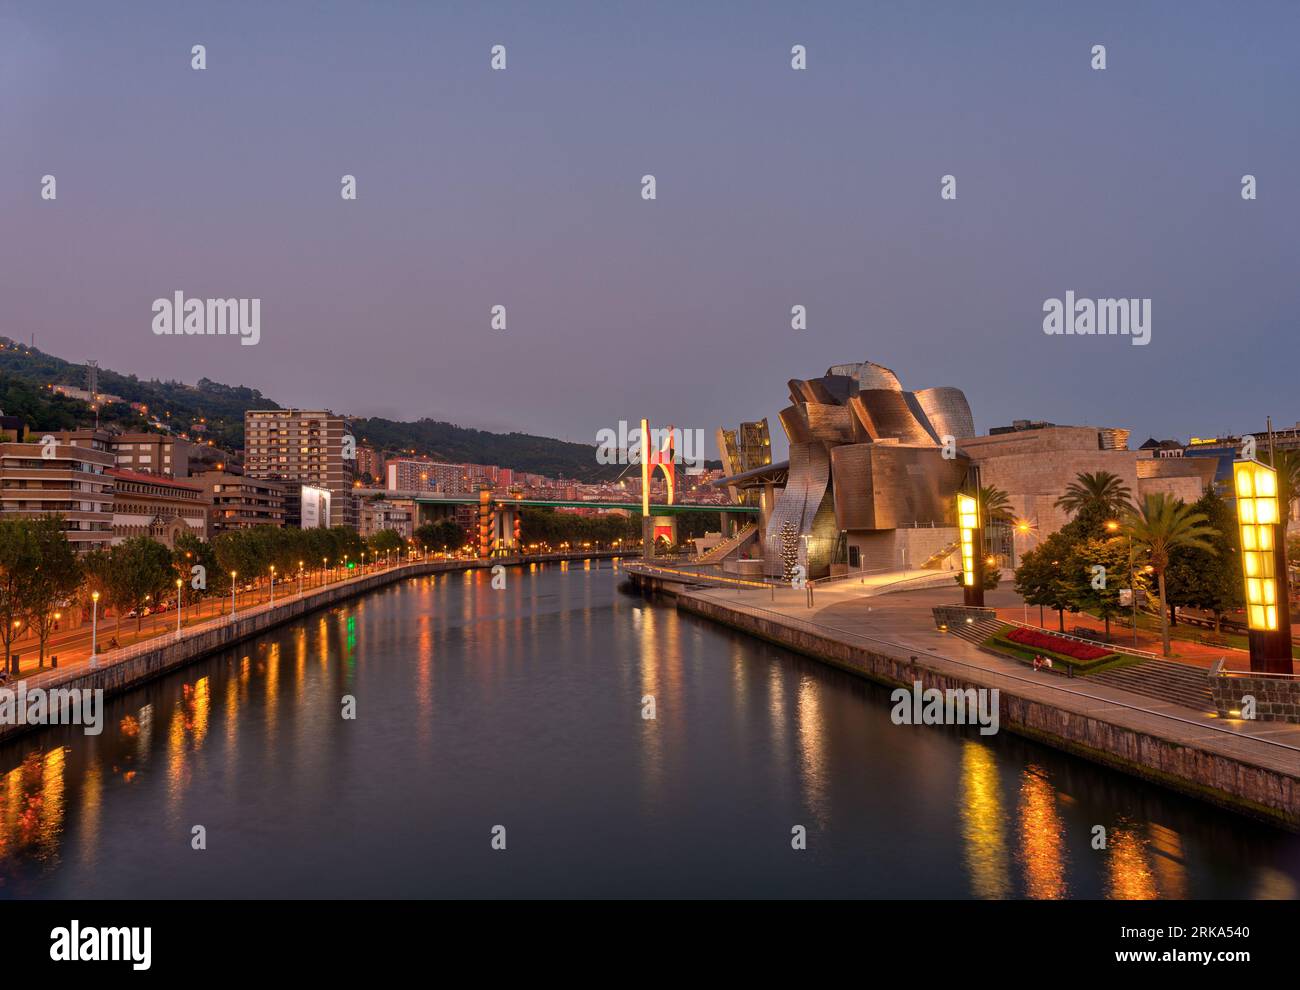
x,y
178,608
972,551
94,625
1263,566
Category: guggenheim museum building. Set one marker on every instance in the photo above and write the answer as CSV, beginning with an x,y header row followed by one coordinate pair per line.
x,y
874,470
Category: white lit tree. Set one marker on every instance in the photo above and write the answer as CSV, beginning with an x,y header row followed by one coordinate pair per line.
x,y
789,551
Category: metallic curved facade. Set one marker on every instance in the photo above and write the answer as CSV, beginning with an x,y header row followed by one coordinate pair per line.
x,y
887,416
868,374
865,455
948,412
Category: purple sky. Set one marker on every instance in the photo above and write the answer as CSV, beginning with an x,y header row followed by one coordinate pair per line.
x,y
775,187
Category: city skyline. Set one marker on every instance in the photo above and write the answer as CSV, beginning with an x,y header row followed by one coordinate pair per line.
x,y
776,188
609,450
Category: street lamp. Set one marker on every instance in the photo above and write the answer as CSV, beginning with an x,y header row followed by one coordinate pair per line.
x,y
972,550
178,608
94,625
300,579
272,601
1112,526
1263,566
1027,529
233,575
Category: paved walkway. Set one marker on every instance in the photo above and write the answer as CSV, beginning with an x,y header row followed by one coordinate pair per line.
x,y
73,650
73,647
902,622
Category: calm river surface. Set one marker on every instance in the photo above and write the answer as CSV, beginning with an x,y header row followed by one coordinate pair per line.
x,y
523,708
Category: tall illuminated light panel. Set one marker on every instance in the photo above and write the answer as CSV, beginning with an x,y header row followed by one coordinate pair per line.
x,y
972,551
1263,566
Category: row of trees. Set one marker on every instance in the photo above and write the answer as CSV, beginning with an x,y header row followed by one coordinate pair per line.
x,y
553,528
445,535
42,576
1112,542
536,525
39,570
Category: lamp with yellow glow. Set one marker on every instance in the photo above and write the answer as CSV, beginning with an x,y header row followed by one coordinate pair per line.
x,y
1263,566
972,550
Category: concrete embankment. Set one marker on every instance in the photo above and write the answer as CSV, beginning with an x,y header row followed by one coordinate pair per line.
x,y
1235,771
128,668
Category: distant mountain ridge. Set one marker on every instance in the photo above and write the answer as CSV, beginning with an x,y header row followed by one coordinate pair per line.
x,y
25,373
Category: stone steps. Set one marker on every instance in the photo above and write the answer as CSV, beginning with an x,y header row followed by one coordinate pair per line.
x,y
1164,680
975,632
728,546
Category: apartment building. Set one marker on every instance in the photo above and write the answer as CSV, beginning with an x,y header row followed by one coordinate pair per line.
x,y
153,453
381,514
63,477
371,462
305,447
413,475
241,502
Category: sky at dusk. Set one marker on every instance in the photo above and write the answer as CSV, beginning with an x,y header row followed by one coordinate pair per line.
x,y
775,187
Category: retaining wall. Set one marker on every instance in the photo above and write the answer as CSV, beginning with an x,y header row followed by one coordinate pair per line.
x,y
1228,781
1277,699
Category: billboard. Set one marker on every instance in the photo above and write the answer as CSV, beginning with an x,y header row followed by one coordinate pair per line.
x,y
315,507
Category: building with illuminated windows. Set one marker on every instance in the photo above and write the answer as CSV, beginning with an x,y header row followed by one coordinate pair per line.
x,y
304,447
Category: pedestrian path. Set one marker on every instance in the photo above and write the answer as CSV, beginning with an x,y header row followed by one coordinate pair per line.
x,y
903,623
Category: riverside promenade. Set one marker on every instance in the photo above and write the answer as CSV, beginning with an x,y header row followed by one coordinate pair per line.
x,y
120,670
1248,766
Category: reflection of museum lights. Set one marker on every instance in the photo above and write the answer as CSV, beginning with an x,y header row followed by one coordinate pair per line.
x,y
1257,515
967,522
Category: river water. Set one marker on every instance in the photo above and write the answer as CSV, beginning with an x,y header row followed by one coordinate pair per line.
x,y
523,708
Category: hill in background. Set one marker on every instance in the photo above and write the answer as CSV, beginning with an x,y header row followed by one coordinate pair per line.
x,y
26,374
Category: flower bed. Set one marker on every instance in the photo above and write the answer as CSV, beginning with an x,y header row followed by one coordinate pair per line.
x,y
1046,641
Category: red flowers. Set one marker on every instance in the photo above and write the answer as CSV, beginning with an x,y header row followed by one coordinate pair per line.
x,y
1046,641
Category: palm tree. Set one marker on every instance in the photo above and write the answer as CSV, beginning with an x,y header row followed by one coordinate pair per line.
x,y
1160,524
1102,489
995,505
1287,465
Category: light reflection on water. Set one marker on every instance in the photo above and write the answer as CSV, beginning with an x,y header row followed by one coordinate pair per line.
x,y
525,707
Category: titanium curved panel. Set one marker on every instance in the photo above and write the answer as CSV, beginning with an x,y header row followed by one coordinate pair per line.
x,y
948,411
919,415
883,486
851,473
891,417
868,375
795,424
807,488
830,423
